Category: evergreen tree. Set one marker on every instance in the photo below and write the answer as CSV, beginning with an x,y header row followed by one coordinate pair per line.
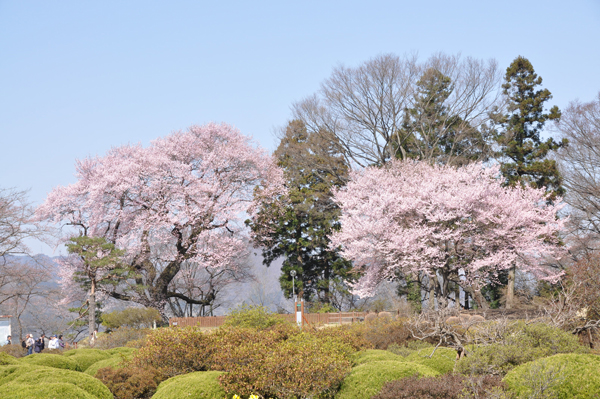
x,y
303,221
523,155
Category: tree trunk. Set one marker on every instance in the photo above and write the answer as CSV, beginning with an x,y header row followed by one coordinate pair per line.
x,y
510,289
431,303
92,311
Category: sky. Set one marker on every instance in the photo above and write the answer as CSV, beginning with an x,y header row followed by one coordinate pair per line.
x,y
80,77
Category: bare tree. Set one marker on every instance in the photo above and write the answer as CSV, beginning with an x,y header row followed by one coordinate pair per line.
x,y
580,163
366,108
15,223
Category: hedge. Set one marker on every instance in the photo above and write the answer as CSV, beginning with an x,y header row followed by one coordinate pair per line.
x,y
367,379
373,355
573,376
6,359
113,362
442,361
41,380
86,357
49,360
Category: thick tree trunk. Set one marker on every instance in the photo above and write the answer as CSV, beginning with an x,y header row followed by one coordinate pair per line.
x,y
431,303
510,289
92,312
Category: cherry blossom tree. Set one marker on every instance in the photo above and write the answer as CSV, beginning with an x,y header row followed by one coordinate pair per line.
x,y
182,199
450,224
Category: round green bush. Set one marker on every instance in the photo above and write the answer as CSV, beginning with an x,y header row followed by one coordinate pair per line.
x,y
374,355
6,359
121,350
114,362
367,379
14,378
55,390
197,385
573,376
442,361
86,357
56,361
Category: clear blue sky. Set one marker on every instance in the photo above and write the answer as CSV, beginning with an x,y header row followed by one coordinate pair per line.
x,y
77,77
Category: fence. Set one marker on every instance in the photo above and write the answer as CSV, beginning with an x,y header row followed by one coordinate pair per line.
x,y
311,318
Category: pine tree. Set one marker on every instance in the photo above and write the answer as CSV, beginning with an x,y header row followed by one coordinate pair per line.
x,y
523,154
300,230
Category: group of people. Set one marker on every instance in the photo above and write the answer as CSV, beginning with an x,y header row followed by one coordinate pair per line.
x,y
39,344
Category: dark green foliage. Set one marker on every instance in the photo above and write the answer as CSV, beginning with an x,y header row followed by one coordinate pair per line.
x,y
521,343
17,381
249,316
367,379
298,226
51,360
524,154
448,386
132,318
198,385
563,376
130,382
432,132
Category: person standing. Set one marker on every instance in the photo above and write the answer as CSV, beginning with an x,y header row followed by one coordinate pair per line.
x,y
61,343
53,343
29,343
7,342
40,344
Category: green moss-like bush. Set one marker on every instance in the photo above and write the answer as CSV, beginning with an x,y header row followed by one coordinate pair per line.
x,y
115,362
55,390
442,361
520,344
367,379
16,377
121,350
50,360
6,359
85,357
374,355
197,385
572,376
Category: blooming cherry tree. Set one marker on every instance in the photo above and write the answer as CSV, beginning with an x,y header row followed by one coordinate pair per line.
x,y
180,200
451,224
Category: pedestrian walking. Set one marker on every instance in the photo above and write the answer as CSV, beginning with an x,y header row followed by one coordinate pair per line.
x,y
29,343
39,344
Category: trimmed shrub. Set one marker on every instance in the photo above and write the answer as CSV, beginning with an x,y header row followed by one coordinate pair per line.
x,y
348,334
16,351
367,379
130,382
374,355
85,357
174,351
248,316
382,332
55,390
122,337
301,366
409,348
50,360
573,376
449,386
6,359
197,385
115,362
14,378
443,359
522,343
121,350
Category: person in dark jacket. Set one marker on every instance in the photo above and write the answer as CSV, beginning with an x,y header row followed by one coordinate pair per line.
x,y
39,344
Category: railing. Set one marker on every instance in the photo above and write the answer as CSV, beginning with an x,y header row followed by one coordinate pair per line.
x,y
311,318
